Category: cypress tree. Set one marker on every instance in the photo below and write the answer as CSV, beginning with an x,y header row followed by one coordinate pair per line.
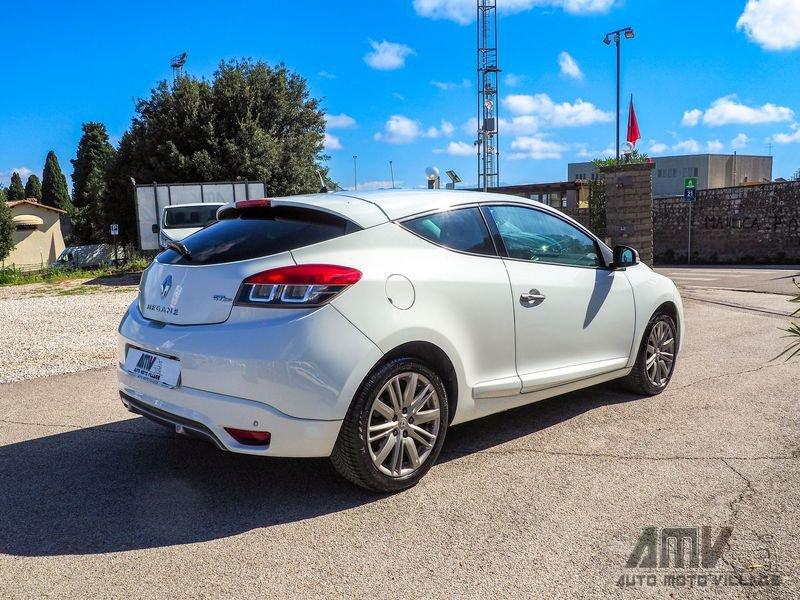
x,y
33,188
54,184
94,156
15,190
6,231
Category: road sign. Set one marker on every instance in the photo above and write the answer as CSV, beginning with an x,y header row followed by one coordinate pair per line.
x,y
114,229
689,194
690,182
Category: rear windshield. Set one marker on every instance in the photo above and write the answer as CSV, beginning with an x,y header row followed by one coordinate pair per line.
x,y
258,232
190,216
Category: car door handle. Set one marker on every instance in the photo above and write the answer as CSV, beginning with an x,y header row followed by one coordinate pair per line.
x,y
534,297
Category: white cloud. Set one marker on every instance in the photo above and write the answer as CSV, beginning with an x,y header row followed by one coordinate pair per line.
x,y
522,125
729,111
550,114
340,121
687,146
714,146
23,172
463,11
379,184
326,75
691,117
398,95
772,24
457,149
399,130
512,80
332,142
788,138
740,141
569,68
535,147
387,56
451,85
658,147
445,129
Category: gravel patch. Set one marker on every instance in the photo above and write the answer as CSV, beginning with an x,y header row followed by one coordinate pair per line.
x,y
49,330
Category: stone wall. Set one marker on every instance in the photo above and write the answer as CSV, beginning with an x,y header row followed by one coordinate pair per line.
x,y
629,208
744,224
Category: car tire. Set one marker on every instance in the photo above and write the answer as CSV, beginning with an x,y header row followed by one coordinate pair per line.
x,y
659,344
360,451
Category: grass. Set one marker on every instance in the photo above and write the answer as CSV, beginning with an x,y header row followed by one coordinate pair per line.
x,y
12,276
793,331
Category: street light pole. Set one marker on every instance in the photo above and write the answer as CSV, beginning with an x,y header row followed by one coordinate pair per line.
x,y
355,172
391,172
628,33
616,42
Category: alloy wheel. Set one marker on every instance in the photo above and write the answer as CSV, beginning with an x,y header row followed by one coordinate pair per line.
x,y
660,354
403,424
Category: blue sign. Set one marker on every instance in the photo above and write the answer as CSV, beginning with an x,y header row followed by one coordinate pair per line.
x,y
689,194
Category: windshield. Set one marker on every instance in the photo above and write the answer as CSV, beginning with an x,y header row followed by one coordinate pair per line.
x,y
179,217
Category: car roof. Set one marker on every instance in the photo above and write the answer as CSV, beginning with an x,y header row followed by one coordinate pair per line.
x,y
370,208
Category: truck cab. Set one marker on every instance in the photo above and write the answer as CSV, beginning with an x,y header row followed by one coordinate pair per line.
x,y
181,220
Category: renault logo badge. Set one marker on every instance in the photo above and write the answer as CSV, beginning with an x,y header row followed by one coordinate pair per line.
x,y
166,285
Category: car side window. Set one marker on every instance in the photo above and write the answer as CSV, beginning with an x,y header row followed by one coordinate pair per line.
x,y
530,234
462,229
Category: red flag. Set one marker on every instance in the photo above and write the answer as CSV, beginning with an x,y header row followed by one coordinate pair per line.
x,y
633,125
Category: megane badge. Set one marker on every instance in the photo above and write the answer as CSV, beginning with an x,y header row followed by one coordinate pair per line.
x,y
166,285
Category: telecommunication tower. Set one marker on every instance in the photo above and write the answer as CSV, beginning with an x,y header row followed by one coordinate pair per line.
x,y
488,78
177,62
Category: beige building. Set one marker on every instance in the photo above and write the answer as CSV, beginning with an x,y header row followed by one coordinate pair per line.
x,y
37,234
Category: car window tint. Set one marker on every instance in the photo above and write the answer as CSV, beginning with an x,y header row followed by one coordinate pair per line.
x,y
258,232
535,235
462,229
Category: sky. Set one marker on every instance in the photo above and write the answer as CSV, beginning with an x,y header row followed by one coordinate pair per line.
x,y
397,78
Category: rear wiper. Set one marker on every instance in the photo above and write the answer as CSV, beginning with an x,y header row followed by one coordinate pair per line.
x,y
180,249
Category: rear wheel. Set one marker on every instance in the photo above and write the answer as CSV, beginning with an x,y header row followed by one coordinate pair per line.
x,y
655,362
395,427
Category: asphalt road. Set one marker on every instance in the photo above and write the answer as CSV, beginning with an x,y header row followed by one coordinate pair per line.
x,y
544,501
772,279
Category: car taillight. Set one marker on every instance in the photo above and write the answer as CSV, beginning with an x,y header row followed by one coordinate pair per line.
x,y
298,286
248,437
255,203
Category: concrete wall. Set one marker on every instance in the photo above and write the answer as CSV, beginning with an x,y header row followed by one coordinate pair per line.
x,y
40,246
731,225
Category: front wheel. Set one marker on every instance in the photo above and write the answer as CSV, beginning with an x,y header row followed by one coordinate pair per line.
x,y
655,362
395,427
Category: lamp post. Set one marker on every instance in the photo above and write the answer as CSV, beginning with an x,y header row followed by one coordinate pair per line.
x,y
628,33
391,172
355,172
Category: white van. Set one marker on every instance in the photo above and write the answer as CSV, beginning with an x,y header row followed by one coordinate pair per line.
x,y
182,220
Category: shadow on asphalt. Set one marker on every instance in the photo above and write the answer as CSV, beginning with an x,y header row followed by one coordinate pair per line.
x,y
131,484
131,279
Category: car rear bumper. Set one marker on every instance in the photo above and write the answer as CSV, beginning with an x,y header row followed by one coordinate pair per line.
x,y
206,415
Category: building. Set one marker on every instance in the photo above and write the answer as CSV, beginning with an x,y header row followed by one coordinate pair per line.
x,y
711,170
565,195
37,234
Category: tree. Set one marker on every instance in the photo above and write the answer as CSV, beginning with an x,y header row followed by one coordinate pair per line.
x,y
251,121
6,231
33,187
3,194
90,166
54,184
15,190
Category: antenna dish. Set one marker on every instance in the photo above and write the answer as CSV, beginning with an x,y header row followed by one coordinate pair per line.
x,y
176,62
432,173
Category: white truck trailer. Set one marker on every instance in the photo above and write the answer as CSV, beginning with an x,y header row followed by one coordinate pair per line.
x,y
152,198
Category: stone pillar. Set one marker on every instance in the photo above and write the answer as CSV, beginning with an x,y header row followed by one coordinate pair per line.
x,y
629,207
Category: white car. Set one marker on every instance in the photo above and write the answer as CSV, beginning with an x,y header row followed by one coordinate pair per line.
x,y
360,326
179,221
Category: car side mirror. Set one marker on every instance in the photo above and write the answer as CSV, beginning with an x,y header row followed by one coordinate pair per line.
x,y
625,256
154,228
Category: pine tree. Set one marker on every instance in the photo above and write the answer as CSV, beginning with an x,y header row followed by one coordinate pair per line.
x,y
54,184
33,188
94,156
15,190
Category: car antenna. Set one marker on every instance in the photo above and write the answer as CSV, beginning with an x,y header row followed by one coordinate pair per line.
x,y
323,188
